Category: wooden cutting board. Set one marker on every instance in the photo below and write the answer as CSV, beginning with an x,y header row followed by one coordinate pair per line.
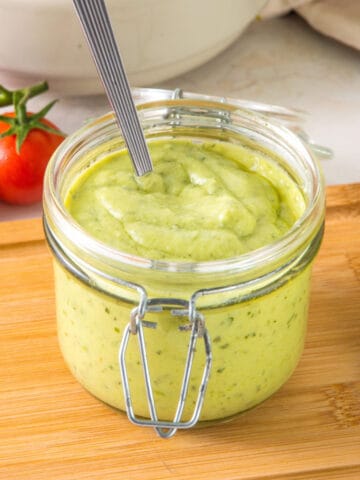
x,y
50,428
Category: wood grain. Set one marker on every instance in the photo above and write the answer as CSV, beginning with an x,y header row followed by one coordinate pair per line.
x,y
22,231
50,428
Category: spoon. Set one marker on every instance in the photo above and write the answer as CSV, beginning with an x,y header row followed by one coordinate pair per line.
x,y
97,28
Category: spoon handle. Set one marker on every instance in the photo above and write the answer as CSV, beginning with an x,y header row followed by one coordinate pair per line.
x,y
97,28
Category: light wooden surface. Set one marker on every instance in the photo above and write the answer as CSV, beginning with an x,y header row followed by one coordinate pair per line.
x,y
50,428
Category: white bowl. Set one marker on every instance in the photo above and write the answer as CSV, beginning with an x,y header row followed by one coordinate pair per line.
x,y
158,39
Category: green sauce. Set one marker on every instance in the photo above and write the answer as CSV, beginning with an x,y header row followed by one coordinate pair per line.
x,y
202,202
256,346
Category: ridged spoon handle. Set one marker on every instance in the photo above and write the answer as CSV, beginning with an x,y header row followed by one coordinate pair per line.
x,y
97,28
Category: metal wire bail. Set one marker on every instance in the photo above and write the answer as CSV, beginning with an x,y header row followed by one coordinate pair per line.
x,y
166,429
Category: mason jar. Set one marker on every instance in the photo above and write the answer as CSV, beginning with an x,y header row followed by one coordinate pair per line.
x,y
176,343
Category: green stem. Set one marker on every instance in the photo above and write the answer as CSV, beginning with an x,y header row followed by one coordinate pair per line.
x,y
7,96
22,123
19,100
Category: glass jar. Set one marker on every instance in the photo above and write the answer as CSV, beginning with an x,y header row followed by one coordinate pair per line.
x,y
170,342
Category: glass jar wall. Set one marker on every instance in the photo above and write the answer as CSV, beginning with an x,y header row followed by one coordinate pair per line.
x,y
253,306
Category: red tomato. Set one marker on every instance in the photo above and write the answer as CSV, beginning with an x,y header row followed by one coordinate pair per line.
x,y
22,173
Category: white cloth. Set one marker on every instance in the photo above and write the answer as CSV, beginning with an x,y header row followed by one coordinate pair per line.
x,y
339,19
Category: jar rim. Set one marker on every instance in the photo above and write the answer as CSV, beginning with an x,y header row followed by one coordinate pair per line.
x,y
58,218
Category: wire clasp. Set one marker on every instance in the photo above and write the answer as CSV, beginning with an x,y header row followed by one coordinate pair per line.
x,y
196,326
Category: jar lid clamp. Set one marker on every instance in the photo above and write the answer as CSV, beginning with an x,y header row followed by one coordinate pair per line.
x,y
166,429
